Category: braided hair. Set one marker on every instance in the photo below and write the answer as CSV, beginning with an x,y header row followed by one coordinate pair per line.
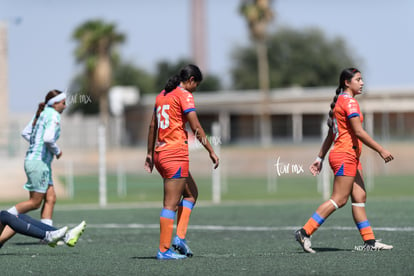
x,y
186,73
346,75
41,107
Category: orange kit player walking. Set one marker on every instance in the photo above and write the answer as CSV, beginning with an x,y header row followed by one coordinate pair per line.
x,y
346,132
168,151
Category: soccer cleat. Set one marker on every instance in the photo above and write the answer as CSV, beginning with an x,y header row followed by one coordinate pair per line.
x,y
169,255
377,246
181,246
52,237
304,241
72,236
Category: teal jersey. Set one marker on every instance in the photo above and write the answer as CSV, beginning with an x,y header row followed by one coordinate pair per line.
x,y
43,136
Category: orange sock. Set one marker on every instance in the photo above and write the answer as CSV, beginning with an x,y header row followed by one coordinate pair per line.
x,y
184,212
166,229
365,230
313,223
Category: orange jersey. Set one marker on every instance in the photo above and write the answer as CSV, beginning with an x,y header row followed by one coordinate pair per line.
x,y
170,110
345,139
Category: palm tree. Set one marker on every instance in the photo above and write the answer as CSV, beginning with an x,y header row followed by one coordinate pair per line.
x,y
96,40
258,14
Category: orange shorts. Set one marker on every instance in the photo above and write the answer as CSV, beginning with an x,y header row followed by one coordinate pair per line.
x,y
172,163
344,164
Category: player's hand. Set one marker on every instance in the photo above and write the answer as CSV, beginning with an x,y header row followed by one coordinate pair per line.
x,y
59,155
315,167
215,159
149,163
386,155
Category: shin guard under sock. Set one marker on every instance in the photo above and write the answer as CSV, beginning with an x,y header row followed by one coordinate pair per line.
x,y
183,217
365,230
166,229
313,224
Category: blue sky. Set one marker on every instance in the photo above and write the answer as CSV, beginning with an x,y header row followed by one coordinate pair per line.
x,y
41,50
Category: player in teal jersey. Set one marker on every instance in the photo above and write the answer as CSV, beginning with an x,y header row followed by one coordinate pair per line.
x,y
42,133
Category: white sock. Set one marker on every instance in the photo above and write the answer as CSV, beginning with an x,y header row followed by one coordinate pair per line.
x,y
47,221
13,211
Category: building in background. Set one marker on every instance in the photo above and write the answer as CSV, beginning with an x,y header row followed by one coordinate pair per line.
x,y
297,114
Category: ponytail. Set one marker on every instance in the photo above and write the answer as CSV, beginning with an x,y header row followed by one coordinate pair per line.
x,y
333,103
185,74
172,83
41,106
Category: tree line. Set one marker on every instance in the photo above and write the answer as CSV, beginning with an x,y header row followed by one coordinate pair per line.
x,y
294,57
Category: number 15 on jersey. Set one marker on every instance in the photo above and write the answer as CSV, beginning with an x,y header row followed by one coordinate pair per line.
x,y
163,117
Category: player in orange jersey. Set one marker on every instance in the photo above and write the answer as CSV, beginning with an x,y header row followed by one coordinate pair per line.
x,y
168,151
347,135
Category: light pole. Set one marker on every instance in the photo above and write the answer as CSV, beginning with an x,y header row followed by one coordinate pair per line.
x,y
4,77
4,93
198,34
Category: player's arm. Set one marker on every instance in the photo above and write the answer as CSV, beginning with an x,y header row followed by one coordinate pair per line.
x,y
49,137
27,131
316,166
327,143
362,135
201,136
152,135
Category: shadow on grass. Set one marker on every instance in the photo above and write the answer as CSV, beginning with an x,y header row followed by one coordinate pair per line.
x,y
29,243
327,249
144,258
330,249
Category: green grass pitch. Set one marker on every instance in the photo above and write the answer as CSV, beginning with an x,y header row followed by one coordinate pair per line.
x,y
250,233
148,188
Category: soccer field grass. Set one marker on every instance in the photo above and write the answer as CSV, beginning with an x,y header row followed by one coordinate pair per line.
x,y
227,239
144,188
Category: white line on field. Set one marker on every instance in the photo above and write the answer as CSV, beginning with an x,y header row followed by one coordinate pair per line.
x,y
241,228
